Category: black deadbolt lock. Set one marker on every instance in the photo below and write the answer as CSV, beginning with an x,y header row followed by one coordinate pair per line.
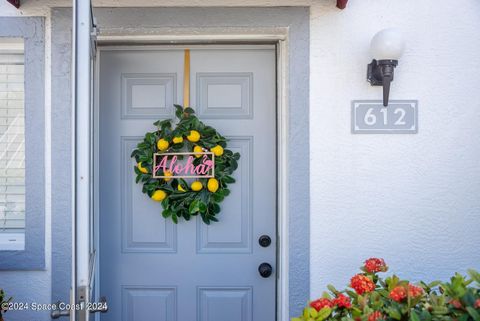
x,y
265,270
264,241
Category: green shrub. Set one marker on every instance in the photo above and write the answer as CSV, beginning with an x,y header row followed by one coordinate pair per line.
x,y
371,298
3,303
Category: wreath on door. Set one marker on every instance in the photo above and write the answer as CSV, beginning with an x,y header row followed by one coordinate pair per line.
x,y
185,197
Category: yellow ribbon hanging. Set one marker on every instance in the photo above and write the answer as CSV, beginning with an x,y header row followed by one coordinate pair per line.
x,y
186,79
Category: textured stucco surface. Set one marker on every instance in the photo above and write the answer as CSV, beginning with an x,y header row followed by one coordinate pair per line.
x,y
61,154
412,199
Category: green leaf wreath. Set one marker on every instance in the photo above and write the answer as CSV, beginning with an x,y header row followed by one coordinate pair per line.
x,y
178,197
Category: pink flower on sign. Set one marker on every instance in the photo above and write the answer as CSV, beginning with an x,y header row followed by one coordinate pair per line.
x,y
169,162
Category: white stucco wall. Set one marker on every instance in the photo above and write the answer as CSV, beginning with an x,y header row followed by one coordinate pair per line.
x,y
412,199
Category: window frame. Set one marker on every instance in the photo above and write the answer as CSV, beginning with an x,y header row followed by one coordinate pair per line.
x,y
12,57
31,29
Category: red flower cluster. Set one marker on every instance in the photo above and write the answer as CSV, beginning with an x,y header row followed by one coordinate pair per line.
x,y
373,265
414,291
361,284
375,316
321,303
342,301
399,293
477,304
456,304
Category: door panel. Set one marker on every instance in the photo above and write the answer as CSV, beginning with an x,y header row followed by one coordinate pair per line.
x,y
149,303
141,231
234,235
150,268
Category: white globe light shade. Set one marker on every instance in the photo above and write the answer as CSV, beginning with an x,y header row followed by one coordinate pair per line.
x,y
387,44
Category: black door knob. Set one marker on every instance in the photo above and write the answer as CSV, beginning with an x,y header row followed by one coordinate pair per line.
x,y
264,240
265,270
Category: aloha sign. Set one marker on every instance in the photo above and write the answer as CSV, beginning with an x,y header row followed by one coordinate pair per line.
x,y
184,165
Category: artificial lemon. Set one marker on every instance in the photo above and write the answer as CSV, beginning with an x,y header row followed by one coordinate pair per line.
x,y
217,150
212,185
197,149
169,174
177,139
196,186
194,136
159,195
180,188
162,145
141,168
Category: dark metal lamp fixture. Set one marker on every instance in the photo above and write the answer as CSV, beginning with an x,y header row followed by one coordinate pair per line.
x,y
387,47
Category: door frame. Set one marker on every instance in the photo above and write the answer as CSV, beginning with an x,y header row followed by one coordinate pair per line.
x,y
294,22
280,39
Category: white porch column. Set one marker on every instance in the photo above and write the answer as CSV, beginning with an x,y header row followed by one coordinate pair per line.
x,y
81,152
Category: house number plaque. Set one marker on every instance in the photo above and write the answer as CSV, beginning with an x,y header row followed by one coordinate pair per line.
x,y
371,117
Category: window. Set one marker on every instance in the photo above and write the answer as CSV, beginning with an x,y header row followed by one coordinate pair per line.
x,y
22,143
12,144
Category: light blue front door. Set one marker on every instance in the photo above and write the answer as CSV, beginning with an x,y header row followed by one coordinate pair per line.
x,y
150,268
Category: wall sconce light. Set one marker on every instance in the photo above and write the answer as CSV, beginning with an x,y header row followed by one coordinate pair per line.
x,y
386,47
